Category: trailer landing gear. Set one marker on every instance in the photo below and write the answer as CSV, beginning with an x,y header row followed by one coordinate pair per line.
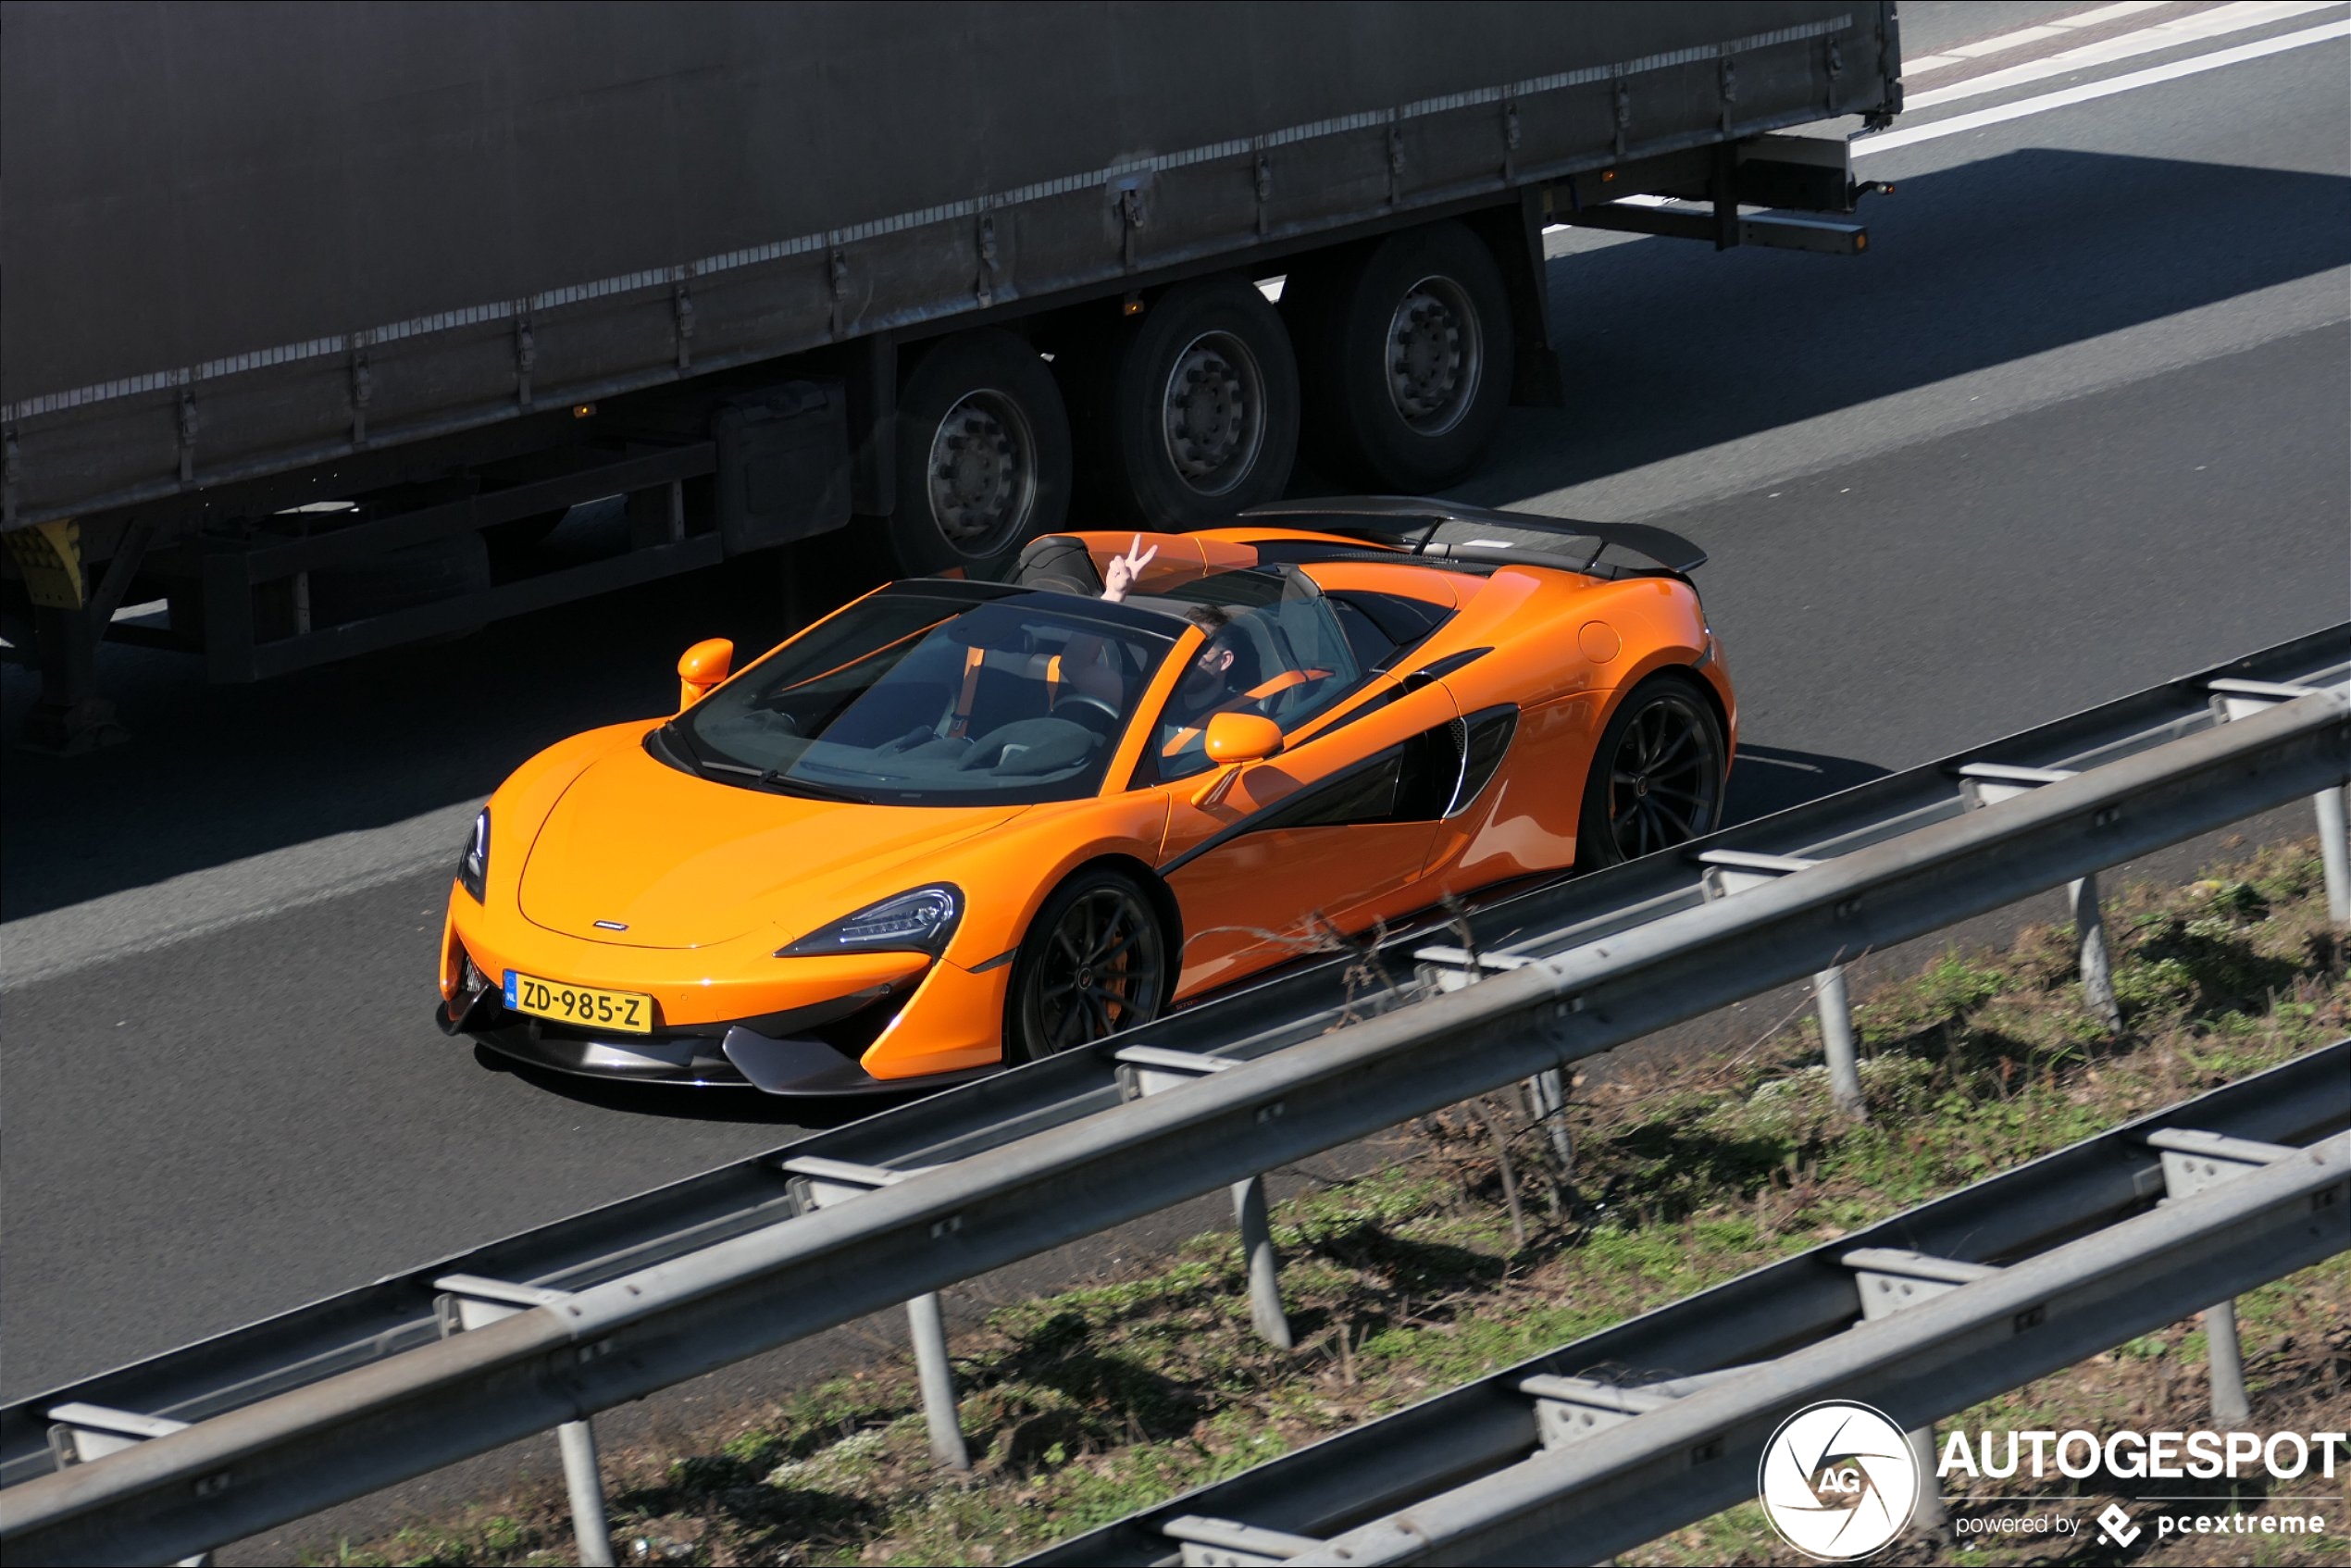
x,y
69,716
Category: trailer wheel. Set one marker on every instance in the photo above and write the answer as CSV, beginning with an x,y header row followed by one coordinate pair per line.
x,y
983,456
1195,403
1404,351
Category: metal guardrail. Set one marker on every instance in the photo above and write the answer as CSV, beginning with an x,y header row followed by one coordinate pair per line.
x,y
1615,957
2009,1280
394,1315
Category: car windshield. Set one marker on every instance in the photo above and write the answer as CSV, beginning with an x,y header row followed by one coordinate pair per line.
x,y
932,694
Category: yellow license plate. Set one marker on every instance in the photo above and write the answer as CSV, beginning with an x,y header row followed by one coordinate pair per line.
x,y
584,1005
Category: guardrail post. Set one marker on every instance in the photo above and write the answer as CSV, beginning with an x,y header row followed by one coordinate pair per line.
x,y
2194,1160
584,1480
1149,1069
1986,783
470,1301
84,1432
1265,1310
1889,1280
2224,1359
1930,1513
2097,974
1730,872
1547,1100
1451,968
936,1375
1836,1041
817,1182
2335,854
2242,698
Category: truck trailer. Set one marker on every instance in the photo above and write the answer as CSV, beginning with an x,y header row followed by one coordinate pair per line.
x,y
318,320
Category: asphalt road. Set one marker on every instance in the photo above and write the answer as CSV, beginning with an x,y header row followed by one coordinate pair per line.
x,y
2076,423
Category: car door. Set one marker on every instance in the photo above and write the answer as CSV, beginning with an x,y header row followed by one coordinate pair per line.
x,y
1333,831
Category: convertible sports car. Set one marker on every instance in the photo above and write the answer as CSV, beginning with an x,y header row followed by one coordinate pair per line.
x,y
957,825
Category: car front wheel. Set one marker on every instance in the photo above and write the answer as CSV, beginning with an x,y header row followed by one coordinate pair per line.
x,y
1094,962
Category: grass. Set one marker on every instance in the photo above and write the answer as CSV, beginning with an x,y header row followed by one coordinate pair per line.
x,y
1474,1246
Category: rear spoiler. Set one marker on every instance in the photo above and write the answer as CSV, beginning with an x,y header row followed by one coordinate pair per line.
x,y
1448,529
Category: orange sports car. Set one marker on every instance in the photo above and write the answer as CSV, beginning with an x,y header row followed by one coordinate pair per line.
x,y
956,825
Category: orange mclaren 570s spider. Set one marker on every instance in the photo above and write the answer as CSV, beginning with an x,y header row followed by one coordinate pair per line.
x,y
959,825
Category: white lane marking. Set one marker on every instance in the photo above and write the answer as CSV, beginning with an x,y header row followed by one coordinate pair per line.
x,y
2002,42
2172,72
2111,86
2013,41
2214,23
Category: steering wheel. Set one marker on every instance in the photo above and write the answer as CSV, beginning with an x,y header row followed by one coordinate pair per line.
x,y
1086,700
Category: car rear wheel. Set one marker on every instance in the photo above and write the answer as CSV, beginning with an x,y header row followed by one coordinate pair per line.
x,y
1094,962
1656,774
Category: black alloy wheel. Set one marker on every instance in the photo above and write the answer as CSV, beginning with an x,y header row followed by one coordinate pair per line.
x,y
1094,963
1656,774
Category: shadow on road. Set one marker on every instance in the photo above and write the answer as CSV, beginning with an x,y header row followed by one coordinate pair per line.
x,y
1765,779
720,1104
1668,349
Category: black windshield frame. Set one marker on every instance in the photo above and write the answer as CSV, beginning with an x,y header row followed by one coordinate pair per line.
x,y
743,735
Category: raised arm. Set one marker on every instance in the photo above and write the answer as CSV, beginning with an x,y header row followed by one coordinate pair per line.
x,y
1120,576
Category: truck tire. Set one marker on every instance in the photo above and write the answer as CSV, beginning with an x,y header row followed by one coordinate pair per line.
x,y
456,565
1404,352
1193,407
983,456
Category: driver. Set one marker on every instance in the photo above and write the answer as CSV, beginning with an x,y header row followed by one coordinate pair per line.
x,y
1220,680
1221,674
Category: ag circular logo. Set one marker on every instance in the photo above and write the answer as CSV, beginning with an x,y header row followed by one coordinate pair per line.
x,y
1838,1480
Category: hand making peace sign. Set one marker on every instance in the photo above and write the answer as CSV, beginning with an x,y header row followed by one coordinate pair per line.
x,y
1122,571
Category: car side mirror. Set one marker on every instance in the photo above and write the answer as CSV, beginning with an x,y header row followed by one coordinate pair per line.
x,y
704,665
1233,739
1238,737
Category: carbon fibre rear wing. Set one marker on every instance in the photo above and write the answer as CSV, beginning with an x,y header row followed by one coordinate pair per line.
x,y
1451,530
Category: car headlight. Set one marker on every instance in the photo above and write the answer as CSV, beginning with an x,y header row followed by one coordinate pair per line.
x,y
918,921
473,865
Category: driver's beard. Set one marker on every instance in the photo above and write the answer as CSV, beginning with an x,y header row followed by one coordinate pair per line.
x,y
1200,689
